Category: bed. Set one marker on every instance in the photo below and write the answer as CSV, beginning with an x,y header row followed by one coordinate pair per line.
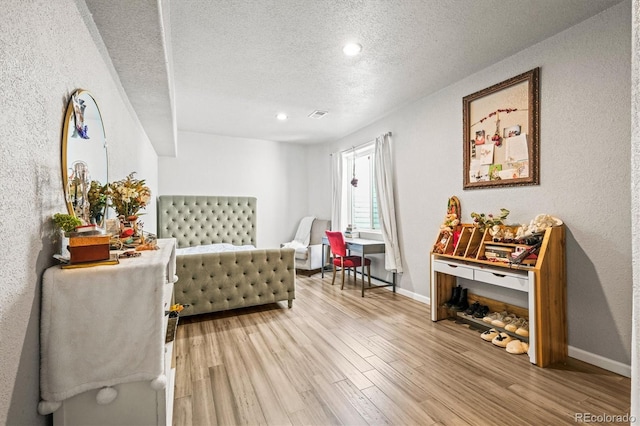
x,y
223,280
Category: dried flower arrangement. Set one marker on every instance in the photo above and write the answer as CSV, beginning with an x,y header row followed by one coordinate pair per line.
x,y
97,197
128,196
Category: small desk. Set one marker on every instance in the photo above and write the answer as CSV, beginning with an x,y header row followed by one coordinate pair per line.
x,y
364,247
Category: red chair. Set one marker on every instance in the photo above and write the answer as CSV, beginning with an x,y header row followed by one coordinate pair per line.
x,y
340,258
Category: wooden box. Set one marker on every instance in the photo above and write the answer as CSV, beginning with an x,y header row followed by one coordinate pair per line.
x,y
89,249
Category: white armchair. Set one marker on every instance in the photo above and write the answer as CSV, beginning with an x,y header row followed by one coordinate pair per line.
x,y
309,258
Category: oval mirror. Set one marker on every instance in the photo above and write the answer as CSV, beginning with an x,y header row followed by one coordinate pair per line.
x,y
84,158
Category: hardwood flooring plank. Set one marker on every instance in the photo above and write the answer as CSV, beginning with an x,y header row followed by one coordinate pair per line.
x,y
554,405
282,387
396,393
247,404
344,350
183,380
203,409
326,350
389,352
415,391
337,402
395,410
352,342
314,413
443,414
182,411
226,412
272,409
362,404
295,371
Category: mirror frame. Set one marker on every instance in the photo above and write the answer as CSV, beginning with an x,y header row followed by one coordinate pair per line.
x,y
69,116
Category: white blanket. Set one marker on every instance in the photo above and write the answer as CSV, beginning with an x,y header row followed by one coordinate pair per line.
x,y
103,325
303,234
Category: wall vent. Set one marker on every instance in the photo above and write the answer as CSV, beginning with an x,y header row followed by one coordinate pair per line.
x,y
317,114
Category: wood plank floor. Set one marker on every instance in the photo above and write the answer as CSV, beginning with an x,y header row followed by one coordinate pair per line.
x,y
336,358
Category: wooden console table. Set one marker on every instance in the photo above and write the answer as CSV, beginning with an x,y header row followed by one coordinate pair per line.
x,y
544,283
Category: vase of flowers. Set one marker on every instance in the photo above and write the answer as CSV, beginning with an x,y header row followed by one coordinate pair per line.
x,y
97,197
128,196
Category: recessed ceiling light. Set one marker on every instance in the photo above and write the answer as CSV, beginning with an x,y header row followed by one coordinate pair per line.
x,y
282,116
352,49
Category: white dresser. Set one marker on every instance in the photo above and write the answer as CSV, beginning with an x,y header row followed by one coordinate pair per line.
x,y
103,333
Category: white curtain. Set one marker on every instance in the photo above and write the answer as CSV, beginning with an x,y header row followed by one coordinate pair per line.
x,y
383,171
336,191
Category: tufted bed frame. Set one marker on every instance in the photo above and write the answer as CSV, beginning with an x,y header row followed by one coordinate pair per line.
x,y
212,282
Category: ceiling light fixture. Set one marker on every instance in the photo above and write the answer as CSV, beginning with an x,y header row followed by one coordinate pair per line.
x,y
281,116
352,49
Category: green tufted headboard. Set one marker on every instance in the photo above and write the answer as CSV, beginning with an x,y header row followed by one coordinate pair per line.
x,y
195,220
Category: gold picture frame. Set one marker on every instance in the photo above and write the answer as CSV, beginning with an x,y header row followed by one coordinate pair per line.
x,y
501,134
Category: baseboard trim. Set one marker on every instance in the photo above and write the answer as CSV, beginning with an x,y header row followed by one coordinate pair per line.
x,y
579,354
410,295
600,361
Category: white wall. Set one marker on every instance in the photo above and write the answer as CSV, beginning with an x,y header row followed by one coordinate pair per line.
x,y
635,212
46,52
585,172
273,172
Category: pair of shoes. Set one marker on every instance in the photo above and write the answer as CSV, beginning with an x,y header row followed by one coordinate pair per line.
x,y
481,312
473,308
463,302
458,300
503,319
489,335
501,340
516,324
523,330
455,296
517,347
493,316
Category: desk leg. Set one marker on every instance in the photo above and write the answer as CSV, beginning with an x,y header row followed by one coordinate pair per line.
x,y
362,269
323,261
394,281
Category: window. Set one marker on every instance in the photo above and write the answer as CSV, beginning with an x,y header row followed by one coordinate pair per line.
x,y
362,202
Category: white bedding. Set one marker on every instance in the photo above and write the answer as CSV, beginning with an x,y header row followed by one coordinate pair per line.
x,y
213,248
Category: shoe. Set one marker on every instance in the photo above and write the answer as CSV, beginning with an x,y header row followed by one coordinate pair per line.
x,y
503,320
463,302
514,325
502,339
472,309
481,312
489,335
517,347
492,316
523,330
455,295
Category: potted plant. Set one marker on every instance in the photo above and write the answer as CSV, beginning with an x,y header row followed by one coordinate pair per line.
x,y
483,221
65,223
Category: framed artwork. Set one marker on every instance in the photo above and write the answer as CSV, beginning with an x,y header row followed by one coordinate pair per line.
x,y
501,134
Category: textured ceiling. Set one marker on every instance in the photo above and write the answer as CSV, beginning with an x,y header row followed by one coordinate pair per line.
x,y
137,37
237,63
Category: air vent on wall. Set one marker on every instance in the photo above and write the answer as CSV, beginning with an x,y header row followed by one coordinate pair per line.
x,y
317,114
